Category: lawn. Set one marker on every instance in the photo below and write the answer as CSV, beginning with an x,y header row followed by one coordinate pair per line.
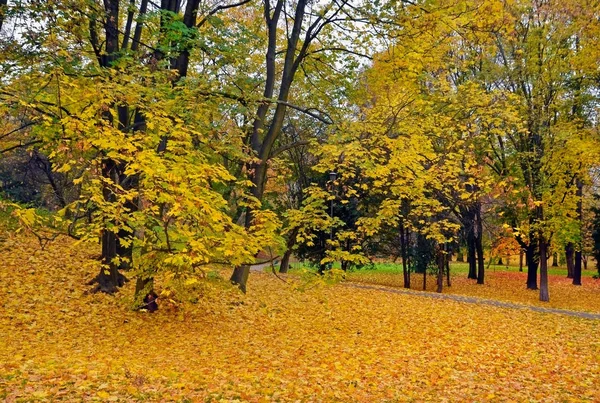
x,y
276,343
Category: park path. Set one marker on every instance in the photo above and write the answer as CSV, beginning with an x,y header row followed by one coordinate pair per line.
x,y
476,300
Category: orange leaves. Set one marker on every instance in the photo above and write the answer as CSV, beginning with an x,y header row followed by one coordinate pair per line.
x,y
326,344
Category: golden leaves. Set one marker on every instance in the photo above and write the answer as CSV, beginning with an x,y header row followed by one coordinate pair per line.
x,y
324,344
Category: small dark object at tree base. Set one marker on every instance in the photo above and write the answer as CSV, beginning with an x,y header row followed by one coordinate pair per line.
x,y
150,302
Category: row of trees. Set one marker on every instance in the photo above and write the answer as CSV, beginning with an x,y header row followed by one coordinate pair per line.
x,y
183,134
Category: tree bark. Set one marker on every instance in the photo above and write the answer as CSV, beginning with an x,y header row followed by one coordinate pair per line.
x,y
479,245
3,4
264,135
520,259
441,264
570,257
404,242
480,261
448,283
285,261
555,259
544,295
532,255
472,256
578,252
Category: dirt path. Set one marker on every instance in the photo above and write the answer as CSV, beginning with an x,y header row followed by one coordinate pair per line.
x,y
476,300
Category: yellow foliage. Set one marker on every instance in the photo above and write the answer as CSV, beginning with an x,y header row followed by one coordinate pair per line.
x,y
334,343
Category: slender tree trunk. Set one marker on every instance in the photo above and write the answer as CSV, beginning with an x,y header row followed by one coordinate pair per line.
x,y
570,256
264,135
472,257
480,261
460,256
479,245
404,237
448,271
544,296
424,279
578,253
521,260
441,264
577,268
285,261
555,259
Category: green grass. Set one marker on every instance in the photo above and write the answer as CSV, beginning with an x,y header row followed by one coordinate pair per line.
x,y
458,268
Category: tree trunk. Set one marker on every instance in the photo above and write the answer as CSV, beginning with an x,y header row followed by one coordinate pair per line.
x,y
143,287
577,268
265,134
480,261
544,296
532,264
424,279
471,245
521,260
460,256
285,261
570,257
441,264
240,276
2,11
578,255
479,245
448,271
555,259
404,240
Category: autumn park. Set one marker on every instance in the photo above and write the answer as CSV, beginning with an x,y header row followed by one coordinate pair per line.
x,y
300,200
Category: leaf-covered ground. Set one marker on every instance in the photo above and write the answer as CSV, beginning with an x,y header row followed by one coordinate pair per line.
x,y
503,286
275,344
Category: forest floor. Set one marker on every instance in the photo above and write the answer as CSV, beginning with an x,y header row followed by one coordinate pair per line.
x,y
499,285
279,342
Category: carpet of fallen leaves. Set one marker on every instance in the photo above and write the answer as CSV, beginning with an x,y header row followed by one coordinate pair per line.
x,y
333,343
503,286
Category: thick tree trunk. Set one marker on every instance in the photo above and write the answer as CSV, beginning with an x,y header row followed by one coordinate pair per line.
x,y
240,276
109,279
570,257
532,255
544,296
577,268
